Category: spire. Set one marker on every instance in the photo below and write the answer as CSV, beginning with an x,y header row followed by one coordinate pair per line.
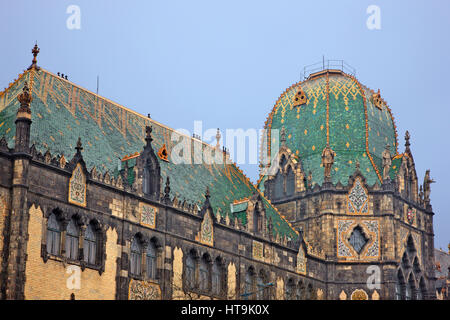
x,y
35,52
79,147
148,135
207,195
407,144
167,189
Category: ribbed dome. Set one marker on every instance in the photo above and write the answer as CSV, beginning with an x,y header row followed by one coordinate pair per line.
x,y
340,111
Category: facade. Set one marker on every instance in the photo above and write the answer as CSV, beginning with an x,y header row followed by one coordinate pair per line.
x,y
442,273
94,206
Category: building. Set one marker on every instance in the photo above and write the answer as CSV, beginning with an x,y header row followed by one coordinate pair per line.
x,y
442,273
94,207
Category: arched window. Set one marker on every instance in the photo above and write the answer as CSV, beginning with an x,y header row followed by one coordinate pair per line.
x,y
289,292
399,286
136,257
279,189
421,292
90,245
53,235
217,278
261,286
151,261
290,182
257,221
300,291
310,293
204,275
410,289
190,271
72,240
146,181
248,286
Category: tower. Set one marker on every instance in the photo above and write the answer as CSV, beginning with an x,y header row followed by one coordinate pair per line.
x,y
338,176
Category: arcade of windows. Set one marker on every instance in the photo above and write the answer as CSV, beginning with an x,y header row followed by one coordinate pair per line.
x,y
284,182
203,275
299,291
83,243
143,258
410,283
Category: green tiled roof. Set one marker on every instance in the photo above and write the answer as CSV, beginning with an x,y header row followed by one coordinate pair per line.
x,y
340,111
62,112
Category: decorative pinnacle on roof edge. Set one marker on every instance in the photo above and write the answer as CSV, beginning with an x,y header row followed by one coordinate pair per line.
x,y
25,98
207,195
35,52
148,135
79,147
407,137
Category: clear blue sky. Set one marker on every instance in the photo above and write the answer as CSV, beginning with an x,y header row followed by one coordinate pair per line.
x,y
226,62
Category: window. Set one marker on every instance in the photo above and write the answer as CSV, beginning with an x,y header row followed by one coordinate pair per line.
x,y
399,286
357,239
310,293
248,286
53,235
90,245
279,189
290,182
300,291
256,221
151,261
260,288
289,290
190,271
72,240
146,182
217,278
204,275
136,257
410,289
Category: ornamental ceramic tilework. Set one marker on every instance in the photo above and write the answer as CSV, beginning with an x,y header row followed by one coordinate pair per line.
x,y
358,199
143,290
207,230
77,187
148,215
258,252
359,294
301,261
410,215
370,250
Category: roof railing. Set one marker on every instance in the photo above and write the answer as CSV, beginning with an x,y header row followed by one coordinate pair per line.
x,y
327,65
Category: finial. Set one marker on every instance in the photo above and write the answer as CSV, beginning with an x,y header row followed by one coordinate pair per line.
x,y
283,136
25,97
167,188
218,136
79,145
35,52
148,134
407,137
357,165
207,195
